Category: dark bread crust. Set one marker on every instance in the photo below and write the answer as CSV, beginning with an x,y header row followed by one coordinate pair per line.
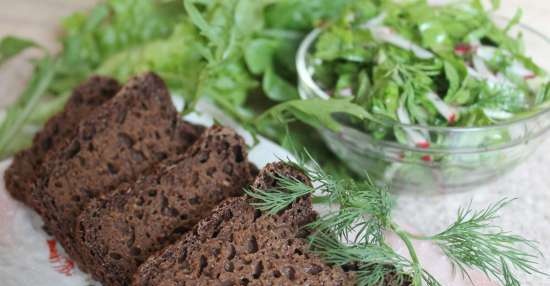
x,y
131,133
116,234
27,164
237,245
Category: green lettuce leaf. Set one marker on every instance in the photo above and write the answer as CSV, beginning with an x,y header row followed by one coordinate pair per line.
x,y
11,46
318,113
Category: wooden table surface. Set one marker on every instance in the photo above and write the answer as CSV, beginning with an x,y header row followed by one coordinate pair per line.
x,y
530,215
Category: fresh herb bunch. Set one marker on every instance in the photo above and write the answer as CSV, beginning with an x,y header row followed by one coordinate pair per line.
x,y
236,53
354,233
118,38
412,62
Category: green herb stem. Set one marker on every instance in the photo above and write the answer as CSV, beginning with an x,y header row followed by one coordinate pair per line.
x,y
34,93
417,268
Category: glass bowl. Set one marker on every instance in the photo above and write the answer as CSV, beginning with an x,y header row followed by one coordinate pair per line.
x,y
457,160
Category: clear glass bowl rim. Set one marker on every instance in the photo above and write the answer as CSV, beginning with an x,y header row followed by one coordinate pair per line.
x,y
307,79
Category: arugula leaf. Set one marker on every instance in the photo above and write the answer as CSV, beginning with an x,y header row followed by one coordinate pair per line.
x,y
17,115
11,46
454,79
171,58
302,15
317,113
277,88
259,55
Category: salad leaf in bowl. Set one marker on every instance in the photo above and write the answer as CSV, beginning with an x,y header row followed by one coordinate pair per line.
x,y
451,97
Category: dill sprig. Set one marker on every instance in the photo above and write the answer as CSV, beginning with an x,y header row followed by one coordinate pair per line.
x,y
378,260
473,242
509,278
353,233
364,212
277,199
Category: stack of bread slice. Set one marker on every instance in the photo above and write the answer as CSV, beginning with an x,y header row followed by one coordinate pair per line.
x,y
137,196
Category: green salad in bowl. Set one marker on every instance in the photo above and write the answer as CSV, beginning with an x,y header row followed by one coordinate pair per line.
x,y
450,95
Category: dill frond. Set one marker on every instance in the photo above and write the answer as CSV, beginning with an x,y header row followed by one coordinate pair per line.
x,y
509,279
277,199
472,241
429,280
364,214
379,262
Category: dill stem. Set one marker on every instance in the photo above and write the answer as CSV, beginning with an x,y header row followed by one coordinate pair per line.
x,y
418,237
406,238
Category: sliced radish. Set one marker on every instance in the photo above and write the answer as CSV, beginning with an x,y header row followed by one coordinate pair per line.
x,y
452,118
482,69
402,114
497,114
447,111
537,82
375,22
423,145
486,53
503,80
386,34
518,69
416,137
492,80
463,49
473,73
346,92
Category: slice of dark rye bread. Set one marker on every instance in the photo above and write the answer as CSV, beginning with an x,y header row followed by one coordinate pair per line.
x,y
116,234
128,135
237,245
27,164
